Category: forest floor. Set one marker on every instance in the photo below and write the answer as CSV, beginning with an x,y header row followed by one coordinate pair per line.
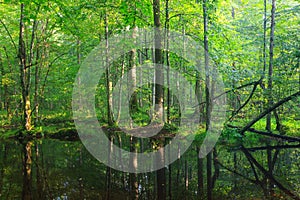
x,y
61,126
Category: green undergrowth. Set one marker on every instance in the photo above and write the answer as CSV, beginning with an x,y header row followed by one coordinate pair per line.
x,y
51,124
60,125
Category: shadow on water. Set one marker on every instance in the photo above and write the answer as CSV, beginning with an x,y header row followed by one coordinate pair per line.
x,y
55,169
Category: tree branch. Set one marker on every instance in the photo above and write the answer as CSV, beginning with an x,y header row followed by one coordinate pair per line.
x,y
279,103
247,101
233,89
6,29
274,147
270,134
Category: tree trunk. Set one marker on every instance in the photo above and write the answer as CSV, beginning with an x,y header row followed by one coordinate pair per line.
x,y
159,95
132,78
36,88
265,38
159,75
120,93
270,72
7,103
108,81
24,74
2,93
198,92
168,61
208,99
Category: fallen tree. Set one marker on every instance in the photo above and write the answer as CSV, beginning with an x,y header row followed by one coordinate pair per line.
x,y
248,126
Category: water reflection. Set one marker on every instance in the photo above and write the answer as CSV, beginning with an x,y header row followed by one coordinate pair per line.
x,y
53,169
27,162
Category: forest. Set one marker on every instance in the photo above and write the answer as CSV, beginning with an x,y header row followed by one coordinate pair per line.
x,y
160,99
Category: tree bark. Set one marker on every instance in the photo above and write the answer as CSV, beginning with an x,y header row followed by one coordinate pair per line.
x,y
208,98
132,78
24,74
2,92
271,62
159,95
108,77
159,75
167,26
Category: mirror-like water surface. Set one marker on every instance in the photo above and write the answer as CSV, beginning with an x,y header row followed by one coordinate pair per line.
x,y
54,169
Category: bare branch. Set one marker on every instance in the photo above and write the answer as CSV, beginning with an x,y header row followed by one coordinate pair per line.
x,y
6,29
276,105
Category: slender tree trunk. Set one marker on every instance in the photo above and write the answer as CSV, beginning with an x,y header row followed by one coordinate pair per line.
x,y
208,99
2,93
134,107
108,81
271,62
7,103
168,61
159,75
159,96
265,39
24,74
132,76
198,92
36,88
120,93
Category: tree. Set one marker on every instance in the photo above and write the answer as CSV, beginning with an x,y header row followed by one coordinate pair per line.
x,y
271,63
207,97
25,64
159,96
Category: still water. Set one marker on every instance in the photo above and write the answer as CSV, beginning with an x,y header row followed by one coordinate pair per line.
x,y
56,169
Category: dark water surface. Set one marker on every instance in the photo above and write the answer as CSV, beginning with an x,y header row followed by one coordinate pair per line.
x,y
55,169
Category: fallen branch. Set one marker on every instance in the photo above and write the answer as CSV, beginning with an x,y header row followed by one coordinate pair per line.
x,y
274,147
261,115
270,134
284,137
